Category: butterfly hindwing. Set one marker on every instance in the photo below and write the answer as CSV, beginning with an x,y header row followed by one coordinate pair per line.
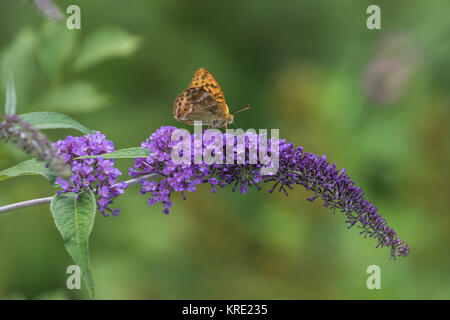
x,y
196,104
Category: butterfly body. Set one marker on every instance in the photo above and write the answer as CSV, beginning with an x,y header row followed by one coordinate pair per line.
x,y
203,101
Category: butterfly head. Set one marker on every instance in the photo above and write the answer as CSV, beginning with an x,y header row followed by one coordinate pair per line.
x,y
230,118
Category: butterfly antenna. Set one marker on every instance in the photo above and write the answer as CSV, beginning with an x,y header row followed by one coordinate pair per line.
x,y
243,109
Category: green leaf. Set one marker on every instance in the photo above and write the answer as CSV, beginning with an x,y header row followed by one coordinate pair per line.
x,y
53,120
105,44
56,45
28,167
19,57
11,99
76,97
128,153
74,218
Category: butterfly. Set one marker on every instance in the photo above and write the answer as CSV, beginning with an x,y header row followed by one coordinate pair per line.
x,y
203,101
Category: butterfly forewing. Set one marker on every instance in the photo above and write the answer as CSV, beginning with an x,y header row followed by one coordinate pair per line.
x,y
203,78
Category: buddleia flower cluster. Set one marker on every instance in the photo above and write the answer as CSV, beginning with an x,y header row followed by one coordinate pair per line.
x,y
97,174
32,141
295,167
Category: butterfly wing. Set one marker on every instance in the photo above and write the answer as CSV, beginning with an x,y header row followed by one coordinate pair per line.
x,y
203,78
197,103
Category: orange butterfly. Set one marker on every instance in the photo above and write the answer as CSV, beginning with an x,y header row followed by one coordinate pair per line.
x,y
203,101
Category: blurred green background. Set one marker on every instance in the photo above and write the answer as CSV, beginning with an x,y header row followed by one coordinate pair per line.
x,y
374,101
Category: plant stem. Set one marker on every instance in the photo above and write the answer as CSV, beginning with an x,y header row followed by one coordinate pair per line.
x,y
34,202
24,204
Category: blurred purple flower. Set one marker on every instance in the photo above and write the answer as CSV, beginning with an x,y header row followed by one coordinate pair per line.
x,y
34,142
296,167
98,174
387,75
49,10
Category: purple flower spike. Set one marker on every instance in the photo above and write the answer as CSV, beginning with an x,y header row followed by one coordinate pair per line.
x,y
295,167
97,174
